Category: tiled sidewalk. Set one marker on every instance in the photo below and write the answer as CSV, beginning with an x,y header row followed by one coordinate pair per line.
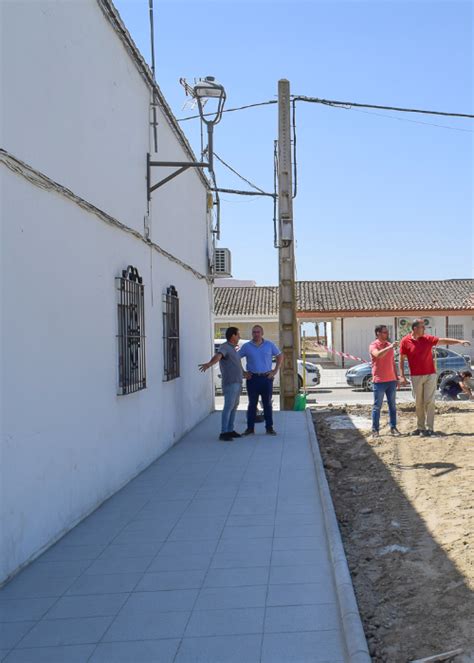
x,y
215,553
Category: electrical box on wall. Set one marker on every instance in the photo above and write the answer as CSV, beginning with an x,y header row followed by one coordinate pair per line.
x,y
222,263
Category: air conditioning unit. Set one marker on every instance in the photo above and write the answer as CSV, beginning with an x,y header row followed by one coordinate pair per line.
x,y
222,263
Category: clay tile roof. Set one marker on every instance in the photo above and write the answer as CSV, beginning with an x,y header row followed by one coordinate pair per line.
x,y
331,296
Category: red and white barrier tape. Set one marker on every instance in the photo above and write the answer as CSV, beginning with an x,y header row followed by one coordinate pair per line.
x,y
342,354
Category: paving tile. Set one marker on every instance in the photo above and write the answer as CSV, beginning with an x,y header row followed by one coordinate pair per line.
x,y
195,529
119,565
63,553
201,547
247,532
299,594
67,654
299,543
248,546
161,601
96,605
131,538
180,562
20,610
131,550
250,521
55,569
299,557
11,633
24,587
223,649
220,598
203,507
298,530
240,558
321,573
248,506
147,626
225,622
58,632
310,647
113,583
256,575
145,651
322,617
152,582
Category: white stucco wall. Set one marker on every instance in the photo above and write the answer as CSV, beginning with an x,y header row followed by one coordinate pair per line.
x,y
76,109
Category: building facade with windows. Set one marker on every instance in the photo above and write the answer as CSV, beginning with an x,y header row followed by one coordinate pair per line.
x,y
107,295
350,310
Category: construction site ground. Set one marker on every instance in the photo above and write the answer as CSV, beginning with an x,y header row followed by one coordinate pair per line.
x,y
406,514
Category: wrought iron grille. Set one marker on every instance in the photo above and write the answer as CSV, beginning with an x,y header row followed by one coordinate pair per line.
x,y
171,334
131,332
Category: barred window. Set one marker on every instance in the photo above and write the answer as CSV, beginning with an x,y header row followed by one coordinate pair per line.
x,y
131,332
456,331
171,334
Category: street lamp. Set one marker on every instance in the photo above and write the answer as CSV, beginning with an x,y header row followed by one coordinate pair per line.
x,y
204,90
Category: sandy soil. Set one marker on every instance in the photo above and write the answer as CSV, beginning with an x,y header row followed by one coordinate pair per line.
x,y
406,512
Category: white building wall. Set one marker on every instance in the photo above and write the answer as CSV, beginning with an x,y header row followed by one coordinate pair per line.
x,y
76,109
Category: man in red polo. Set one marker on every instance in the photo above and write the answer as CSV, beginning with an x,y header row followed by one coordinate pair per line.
x,y
417,348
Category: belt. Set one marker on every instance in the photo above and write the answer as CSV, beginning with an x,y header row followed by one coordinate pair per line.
x,y
260,375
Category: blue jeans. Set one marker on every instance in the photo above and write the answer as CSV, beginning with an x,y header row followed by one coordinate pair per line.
x,y
231,401
390,389
259,385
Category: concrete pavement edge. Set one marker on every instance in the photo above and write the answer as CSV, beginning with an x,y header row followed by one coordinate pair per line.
x,y
356,643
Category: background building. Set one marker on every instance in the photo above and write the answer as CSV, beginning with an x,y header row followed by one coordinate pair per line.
x,y
349,310
99,372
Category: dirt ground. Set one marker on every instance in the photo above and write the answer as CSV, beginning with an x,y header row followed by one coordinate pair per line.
x,y
406,513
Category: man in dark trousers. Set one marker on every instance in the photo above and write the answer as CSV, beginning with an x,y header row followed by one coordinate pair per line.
x,y
232,376
259,374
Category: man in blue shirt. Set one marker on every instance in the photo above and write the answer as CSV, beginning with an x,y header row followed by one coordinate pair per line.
x,y
259,374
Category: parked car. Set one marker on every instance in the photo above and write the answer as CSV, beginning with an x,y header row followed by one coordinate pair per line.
x,y
448,362
313,376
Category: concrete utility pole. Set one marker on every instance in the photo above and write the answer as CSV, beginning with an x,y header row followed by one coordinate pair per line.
x,y
286,254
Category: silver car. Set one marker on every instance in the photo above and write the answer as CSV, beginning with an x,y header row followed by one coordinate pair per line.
x,y
448,362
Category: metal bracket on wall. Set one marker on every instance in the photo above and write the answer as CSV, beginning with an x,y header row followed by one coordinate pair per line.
x,y
182,166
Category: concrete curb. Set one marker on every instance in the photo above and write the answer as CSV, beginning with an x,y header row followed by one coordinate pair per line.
x,y
353,632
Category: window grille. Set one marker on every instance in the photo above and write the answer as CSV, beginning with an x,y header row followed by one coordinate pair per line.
x,y
131,332
456,331
171,334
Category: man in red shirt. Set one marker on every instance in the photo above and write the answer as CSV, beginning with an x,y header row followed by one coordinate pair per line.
x,y
384,379
417,348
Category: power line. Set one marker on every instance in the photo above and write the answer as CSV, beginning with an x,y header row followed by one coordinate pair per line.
x,y
405,119
254,186
230,110
349,104
341,104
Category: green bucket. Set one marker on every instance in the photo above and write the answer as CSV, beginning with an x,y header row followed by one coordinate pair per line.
x,y
300,402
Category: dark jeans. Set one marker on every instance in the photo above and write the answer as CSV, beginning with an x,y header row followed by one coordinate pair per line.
x,y
390,389
259,385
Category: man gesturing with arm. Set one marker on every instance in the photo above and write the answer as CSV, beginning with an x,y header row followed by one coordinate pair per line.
x,y
417,349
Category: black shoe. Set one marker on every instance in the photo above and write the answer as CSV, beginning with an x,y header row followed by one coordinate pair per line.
x,y
431,433
226,437
235,434
249,431
418,432
395,432
271,431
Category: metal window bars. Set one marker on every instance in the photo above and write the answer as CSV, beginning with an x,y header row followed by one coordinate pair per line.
x,y
171,334
131,332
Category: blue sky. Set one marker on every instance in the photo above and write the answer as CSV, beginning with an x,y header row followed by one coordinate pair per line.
x,y
378,198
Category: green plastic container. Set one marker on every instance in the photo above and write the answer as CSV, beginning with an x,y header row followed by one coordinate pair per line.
x,y
300,402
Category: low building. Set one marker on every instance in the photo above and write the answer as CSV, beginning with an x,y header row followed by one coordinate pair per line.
x,y
351,309
107,295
